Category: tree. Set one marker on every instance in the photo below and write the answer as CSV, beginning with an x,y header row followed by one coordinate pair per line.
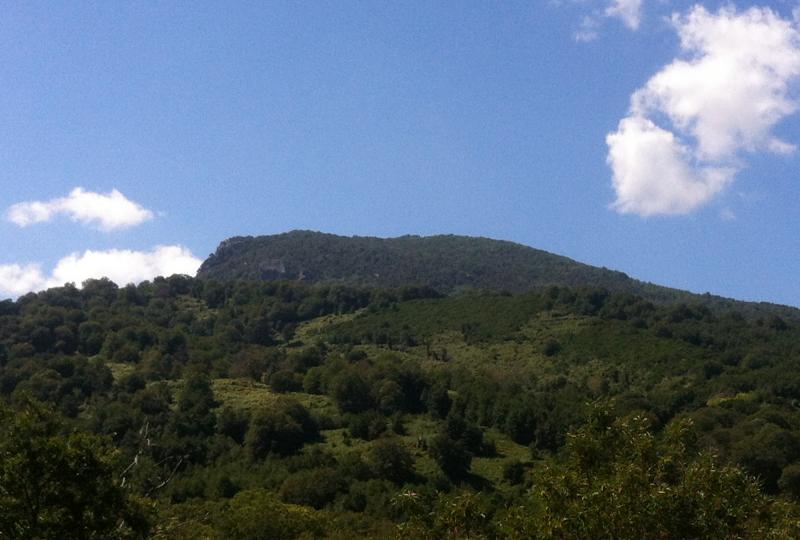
x,y
391,460
461,514
282,428
195,404
620,481
790,481
313,487
351,392
284,380
233,423
55,484
451,456
514,472
438,401
258,515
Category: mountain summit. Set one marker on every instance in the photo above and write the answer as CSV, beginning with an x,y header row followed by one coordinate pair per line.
x,y
448,263
445,262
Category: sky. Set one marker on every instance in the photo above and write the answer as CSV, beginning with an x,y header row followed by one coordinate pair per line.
x,y
655,137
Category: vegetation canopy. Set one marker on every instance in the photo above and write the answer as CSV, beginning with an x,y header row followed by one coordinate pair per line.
x,y
193,408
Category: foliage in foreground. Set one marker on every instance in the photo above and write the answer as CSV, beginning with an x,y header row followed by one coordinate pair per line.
x,y
57,485
616,480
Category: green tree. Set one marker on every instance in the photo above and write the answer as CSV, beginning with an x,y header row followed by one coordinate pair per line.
x,y
195,404
618,480
390,459
282,428
258,515
351,392
462,514
55,484
313,487
451,456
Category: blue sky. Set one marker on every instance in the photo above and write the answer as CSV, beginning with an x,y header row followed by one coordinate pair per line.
x,y
218,119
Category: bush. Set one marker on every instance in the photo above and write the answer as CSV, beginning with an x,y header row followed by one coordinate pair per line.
x,y
314,487
451,456
351,392
283,429
391,460
233,423
514,472
790,481
367,426
257,514
285,381
551,347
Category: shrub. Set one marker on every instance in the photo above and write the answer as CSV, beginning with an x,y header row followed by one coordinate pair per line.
x,y
314,487
391,460
283,429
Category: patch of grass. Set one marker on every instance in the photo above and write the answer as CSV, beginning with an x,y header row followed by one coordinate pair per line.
x,y
243,394
717,400
491,468
249,395
120,369
307,332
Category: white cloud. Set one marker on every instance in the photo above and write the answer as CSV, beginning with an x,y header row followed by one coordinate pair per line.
x,y
629,11
120,266
724,98
16,280
106,211
588,30
653,173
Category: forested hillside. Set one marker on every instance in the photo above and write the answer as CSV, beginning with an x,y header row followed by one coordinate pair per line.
x,y
447,263
191,408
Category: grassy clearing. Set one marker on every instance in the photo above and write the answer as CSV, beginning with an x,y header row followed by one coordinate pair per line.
x,y
120,370
310,331
491,468
421,428
249,395
243,394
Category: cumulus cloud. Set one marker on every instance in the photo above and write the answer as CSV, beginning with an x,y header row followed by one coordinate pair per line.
x,y
628,11
108,211
16,279
120,266
724,98
653,172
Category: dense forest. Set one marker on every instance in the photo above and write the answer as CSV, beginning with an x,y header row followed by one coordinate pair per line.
x,y
449,263
194,408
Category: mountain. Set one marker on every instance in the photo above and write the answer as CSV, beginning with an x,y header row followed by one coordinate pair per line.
x,y
448,263
284,409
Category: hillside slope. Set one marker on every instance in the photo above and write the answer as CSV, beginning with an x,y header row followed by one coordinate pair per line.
x,y
447,263
320,409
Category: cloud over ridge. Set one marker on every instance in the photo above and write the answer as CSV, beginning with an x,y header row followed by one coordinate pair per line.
x,y
723,99
121,266
110,211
